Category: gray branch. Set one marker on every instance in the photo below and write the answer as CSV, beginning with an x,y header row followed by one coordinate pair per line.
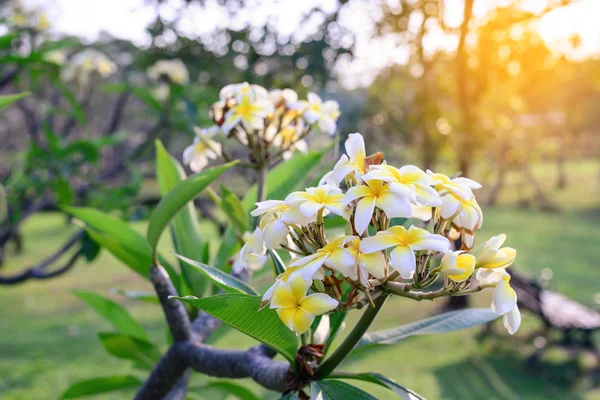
x,y
169,378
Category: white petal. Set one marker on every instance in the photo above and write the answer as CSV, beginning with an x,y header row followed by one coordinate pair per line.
x,y
355,147
310,208
394,206
275,233
364,213
450,205
402,259
504,298
383,240
512,320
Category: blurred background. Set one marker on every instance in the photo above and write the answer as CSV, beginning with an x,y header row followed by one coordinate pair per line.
x,y
506,92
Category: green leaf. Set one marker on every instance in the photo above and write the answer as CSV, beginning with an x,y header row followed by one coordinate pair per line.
x,y
6,40
184,225
64,194
336,320
278,264
233,208
230,388
229,246
123,242
8,99
178,197
131,348
381,380
222,279
76,108
442,323
148,297
242,313
286,177
89,247
104,384
334,390
114,313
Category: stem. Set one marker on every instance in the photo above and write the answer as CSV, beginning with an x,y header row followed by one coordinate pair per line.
x,y
348,344
262,186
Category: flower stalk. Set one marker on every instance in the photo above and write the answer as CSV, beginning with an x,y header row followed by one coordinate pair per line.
x,y
330,364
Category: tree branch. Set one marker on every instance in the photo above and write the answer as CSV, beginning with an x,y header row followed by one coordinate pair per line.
x,y
177,317
40,271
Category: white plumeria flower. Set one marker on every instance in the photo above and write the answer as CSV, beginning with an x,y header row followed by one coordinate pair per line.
x,y
249,110
86,62
453,192
173,71
504,298
277,216
492,256
286,97
289,138
161,92
324,114
325,197
351,162
253,253
405,243
458,266
295,308
407,181
202,149
56,57
235,89
289,273
373,194
470,216
332,255
373,263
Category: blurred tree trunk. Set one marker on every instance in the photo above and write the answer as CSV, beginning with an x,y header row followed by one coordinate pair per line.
x,y
466,148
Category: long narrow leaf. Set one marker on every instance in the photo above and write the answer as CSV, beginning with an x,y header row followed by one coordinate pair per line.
x,y
184,225
381,380
128,347
177,198
242,313
334,390
114,313
223,280
104,384
442,323
8,99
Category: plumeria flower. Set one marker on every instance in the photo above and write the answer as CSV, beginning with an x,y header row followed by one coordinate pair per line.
x,y
375,194
405,243
289,138
458,266
277,216
504,298
324,114
286,97
173,71
251,257
56,57
351,162
470,216
289,273
492,256
202,149
86,62
250,110
253,252
333,255
234,90
453,192
295,308
373,263
324,197
407,181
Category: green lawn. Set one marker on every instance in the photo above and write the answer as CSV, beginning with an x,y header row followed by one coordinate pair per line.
x,y
48,337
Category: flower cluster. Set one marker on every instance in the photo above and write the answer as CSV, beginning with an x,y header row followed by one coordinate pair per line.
x,y
165,73
379,252
22,17
270,124
86,63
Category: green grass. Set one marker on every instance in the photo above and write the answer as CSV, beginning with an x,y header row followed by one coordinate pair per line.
x,y
48,338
